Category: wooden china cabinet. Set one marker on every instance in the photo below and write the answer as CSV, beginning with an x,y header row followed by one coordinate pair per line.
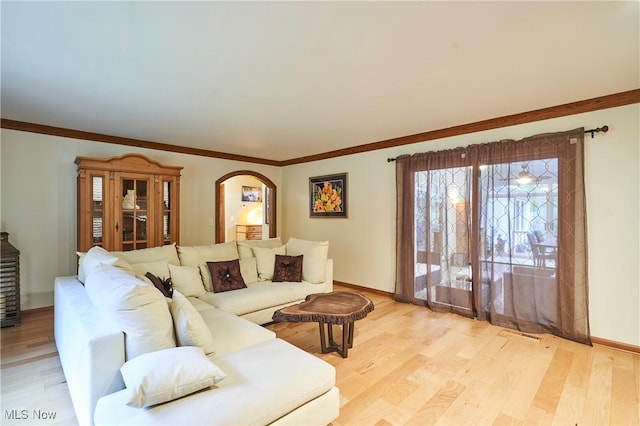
x,y
127,202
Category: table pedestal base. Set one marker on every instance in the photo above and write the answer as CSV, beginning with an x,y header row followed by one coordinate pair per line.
x,y
331,345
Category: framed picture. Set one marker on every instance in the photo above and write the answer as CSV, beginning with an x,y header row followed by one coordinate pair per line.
x,y
252,194
328,196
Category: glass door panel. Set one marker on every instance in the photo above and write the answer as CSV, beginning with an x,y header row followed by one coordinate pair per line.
x,y
167,230
519,222
134,213
97,211
442,212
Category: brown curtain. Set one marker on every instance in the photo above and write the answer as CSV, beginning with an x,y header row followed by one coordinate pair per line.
x,y
432,233
526,257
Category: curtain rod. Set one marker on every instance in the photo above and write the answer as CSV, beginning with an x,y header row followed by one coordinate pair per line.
x,y
603,129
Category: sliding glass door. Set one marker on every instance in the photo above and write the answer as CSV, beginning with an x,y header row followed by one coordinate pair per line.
x,y
442,213
518,241
497,231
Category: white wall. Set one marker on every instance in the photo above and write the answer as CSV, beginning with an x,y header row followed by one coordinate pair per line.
x,y
363,246
38,178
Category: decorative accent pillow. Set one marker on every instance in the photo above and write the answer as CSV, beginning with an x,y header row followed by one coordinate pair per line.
x,y
248,270
137,308
190,328
168,374
226,276
187,280
163,284
315,258
287,268
266,259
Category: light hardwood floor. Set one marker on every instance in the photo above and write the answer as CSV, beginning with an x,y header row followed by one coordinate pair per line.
x,y
408,366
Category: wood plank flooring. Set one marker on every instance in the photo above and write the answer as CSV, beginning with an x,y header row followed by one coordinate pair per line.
x,y
408,366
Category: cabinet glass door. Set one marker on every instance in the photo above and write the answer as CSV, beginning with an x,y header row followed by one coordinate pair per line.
x,y
97,210
167,195
134,220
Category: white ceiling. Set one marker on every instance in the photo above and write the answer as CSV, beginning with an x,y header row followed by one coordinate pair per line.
x,y
282,80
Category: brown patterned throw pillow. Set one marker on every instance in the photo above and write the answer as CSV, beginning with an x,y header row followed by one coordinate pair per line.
x,y
163,284
226,276
287,268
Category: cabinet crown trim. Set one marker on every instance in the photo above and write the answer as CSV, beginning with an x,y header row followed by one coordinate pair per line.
x,y
134,163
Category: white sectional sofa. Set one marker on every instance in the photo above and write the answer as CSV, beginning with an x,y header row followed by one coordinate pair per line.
x,y
132,356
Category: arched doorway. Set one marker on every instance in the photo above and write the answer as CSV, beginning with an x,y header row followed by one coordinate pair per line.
x,y
269,202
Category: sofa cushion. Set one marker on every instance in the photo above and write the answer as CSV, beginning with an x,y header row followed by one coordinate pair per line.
x,y
266,259
187,280
169,374
287,268
264,383
259,296
249,270
159,269
315,258
136,307
226,276
231,333
190,328
245,247
151,254
198,255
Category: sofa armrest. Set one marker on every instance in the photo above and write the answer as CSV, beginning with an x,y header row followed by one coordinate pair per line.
x,y
91,349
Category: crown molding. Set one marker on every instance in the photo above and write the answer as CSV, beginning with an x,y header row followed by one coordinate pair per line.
x,y
594,104
117,140
588,105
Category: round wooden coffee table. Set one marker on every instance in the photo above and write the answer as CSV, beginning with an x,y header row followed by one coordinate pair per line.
x,y
338,307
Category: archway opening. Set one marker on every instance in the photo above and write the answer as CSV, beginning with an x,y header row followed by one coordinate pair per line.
x,y
268,204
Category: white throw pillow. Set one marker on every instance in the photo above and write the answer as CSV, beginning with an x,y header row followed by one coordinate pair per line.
x,y
249,270
168,374
206,277
190,328
199,255
96,256
266,260
245,247
151,254
187,280
139,309
160,269
314,261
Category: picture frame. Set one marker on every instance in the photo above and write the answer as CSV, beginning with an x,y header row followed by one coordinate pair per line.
x,y
251,194
328,196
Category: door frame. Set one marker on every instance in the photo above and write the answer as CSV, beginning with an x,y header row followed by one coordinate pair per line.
x,y
270,202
